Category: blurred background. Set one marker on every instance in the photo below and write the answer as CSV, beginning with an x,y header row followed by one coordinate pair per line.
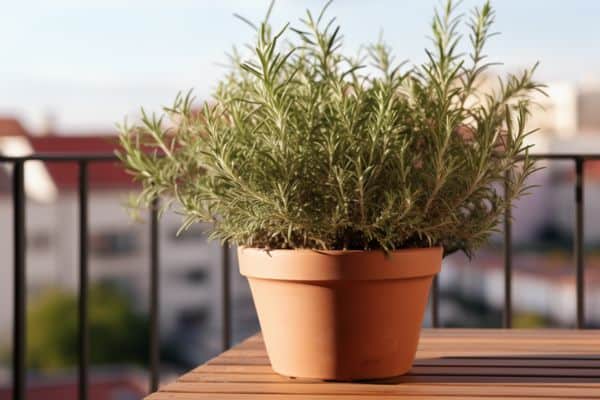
x,y
70,70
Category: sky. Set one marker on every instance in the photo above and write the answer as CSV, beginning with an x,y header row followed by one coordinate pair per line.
x,y
86,64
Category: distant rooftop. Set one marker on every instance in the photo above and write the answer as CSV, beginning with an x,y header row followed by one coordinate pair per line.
x,y
15,140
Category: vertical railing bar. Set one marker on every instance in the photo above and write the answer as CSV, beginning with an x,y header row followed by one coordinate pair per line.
x,y
19,327
579,242
508,257
435,294
83,320
154,298
225,297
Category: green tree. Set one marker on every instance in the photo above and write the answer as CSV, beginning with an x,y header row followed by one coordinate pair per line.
x,y
117,333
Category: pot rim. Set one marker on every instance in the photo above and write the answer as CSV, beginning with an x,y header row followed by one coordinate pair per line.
x,y
335,252
335,265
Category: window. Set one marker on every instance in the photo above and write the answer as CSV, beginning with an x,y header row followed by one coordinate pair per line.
x,y
38,241
192,318
113,243
196,274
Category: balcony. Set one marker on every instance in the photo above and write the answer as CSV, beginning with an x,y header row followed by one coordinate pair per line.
x,y
449,362
96,306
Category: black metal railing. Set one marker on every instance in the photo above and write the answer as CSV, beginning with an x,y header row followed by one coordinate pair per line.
x,y
579,161
83,161
19,368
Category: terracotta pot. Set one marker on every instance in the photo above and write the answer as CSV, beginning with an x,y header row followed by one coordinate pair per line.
x,y
340,315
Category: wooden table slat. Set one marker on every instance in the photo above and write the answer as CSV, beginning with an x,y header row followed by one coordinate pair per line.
x,y
451,364
291,396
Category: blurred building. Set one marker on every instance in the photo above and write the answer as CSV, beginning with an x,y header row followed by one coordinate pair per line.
x,y
570,111
544,275
543,285
190,279
588,114
556,115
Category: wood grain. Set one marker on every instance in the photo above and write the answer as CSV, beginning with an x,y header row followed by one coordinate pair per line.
x,y
451,364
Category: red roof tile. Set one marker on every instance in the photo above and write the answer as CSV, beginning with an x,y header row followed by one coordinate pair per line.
x,y
11,127
102,175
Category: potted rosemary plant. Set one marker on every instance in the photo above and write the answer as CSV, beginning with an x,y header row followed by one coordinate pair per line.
x,y
343,181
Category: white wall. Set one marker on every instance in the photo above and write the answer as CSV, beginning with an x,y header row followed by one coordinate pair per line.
x,y
57,264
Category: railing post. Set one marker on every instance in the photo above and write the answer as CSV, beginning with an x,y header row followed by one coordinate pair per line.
x,y
579,242
83,331
507,315
154,298
19,327
225,297
435,294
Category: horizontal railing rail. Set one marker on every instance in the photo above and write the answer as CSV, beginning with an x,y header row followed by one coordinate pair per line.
x,y
83,161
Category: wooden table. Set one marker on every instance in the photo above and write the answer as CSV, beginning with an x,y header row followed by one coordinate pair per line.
x,y
451,364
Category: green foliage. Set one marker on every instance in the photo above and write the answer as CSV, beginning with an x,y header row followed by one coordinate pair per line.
x,y
305,147
117,333
529,321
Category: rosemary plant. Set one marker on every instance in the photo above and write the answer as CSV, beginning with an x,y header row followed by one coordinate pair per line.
x,y
305,147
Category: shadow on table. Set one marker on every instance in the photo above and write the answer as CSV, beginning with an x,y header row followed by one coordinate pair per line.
x,y
545,368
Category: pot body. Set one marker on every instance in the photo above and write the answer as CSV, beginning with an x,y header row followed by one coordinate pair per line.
x,y
340,315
